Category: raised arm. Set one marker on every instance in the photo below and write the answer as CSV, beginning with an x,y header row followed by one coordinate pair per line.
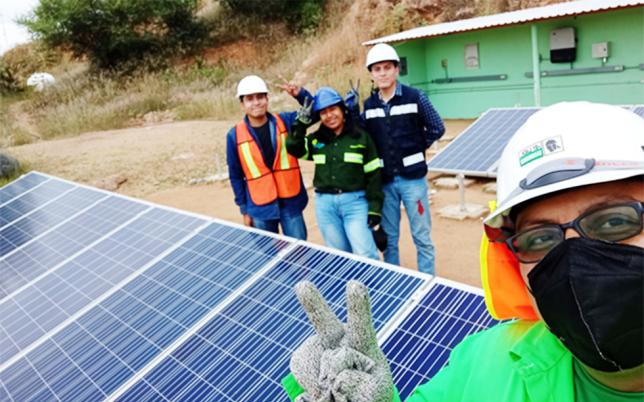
x,y
297,143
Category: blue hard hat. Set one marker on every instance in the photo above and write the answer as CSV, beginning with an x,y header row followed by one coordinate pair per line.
x,y
325,97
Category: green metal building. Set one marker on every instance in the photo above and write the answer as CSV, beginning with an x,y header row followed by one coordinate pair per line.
x,y
583,50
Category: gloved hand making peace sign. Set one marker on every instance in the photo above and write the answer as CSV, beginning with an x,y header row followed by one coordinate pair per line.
x,y
341,362
304,112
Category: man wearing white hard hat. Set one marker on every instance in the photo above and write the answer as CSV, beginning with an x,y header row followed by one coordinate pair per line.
x,y
403,124
562,261
266,180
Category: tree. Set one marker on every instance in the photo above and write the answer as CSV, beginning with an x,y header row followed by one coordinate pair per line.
x,y
112,33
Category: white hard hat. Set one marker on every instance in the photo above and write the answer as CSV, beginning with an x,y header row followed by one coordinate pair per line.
x,y
381,52
251,84
566,145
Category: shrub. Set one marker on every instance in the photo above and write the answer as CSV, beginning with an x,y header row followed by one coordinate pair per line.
x,y
301,16
8,81
117,33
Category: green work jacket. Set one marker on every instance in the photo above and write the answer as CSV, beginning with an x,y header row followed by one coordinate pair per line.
x,y
343,163
519,361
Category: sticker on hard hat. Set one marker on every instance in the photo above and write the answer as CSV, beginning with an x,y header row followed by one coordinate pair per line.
x,y
540,149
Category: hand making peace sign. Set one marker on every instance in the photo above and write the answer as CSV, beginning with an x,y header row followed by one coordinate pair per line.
x,y
341,362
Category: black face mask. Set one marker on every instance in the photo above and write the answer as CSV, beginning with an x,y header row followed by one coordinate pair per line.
x,y
590,294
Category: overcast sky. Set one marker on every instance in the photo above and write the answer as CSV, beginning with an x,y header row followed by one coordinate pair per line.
x,y
11,33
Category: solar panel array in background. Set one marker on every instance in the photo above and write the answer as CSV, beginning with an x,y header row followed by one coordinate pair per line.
x,y
420,345
107,297
476,151
638,110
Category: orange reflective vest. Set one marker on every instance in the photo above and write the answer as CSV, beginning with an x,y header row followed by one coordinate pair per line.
x,y
266,185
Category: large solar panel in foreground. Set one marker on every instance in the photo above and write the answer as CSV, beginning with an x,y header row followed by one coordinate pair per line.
x,y
106,297
476,151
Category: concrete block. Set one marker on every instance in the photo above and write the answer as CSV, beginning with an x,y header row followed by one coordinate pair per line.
x,y
451,183
456,211
490,188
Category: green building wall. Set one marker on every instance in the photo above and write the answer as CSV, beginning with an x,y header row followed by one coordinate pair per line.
x,y
508,51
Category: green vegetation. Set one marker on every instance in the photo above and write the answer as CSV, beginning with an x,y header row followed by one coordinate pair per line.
x,y
9,83
300,16
119,34
129,62
101,102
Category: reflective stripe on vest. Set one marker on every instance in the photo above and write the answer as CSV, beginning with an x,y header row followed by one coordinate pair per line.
x,y
266,185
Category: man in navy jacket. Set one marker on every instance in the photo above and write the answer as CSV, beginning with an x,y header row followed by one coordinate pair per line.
x,y
403,124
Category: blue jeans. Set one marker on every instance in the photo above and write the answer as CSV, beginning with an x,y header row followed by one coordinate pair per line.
x,y
292,225
413,195
342,219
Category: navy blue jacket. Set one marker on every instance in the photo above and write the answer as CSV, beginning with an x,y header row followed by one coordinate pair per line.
x,y
402,128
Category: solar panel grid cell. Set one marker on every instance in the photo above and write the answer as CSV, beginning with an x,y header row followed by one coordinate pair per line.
x,y
129,328
34,222
30,201
638,110
421,344
67,235
24,184
477,150
244,350
31,313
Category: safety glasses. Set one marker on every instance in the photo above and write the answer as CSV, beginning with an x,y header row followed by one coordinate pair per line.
x,y
612,224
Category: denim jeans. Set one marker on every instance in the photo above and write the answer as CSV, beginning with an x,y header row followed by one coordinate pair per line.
x,y
342,219
413,194
292,225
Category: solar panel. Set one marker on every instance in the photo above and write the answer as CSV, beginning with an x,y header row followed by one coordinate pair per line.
x,y
26,183
477,150
105,297
638,110
420,344
244,350
131,324
66,288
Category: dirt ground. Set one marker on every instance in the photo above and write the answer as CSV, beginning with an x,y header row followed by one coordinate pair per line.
x,y
160,161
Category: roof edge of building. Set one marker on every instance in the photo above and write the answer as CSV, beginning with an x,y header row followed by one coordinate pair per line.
x,y
553,11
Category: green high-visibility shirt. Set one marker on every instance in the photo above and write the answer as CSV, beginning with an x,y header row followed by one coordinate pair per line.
x,y
519,361
345,162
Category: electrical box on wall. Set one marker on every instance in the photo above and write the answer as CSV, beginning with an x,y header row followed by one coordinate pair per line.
x,y
562,45
600,50
472,56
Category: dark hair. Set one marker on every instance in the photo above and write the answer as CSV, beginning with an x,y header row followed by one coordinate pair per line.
x,y
393,61
241,97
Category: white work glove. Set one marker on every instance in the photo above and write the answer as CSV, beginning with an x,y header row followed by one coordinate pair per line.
x,y
304,113
340,363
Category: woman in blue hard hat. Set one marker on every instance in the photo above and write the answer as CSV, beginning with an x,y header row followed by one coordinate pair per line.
x,y
348,191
